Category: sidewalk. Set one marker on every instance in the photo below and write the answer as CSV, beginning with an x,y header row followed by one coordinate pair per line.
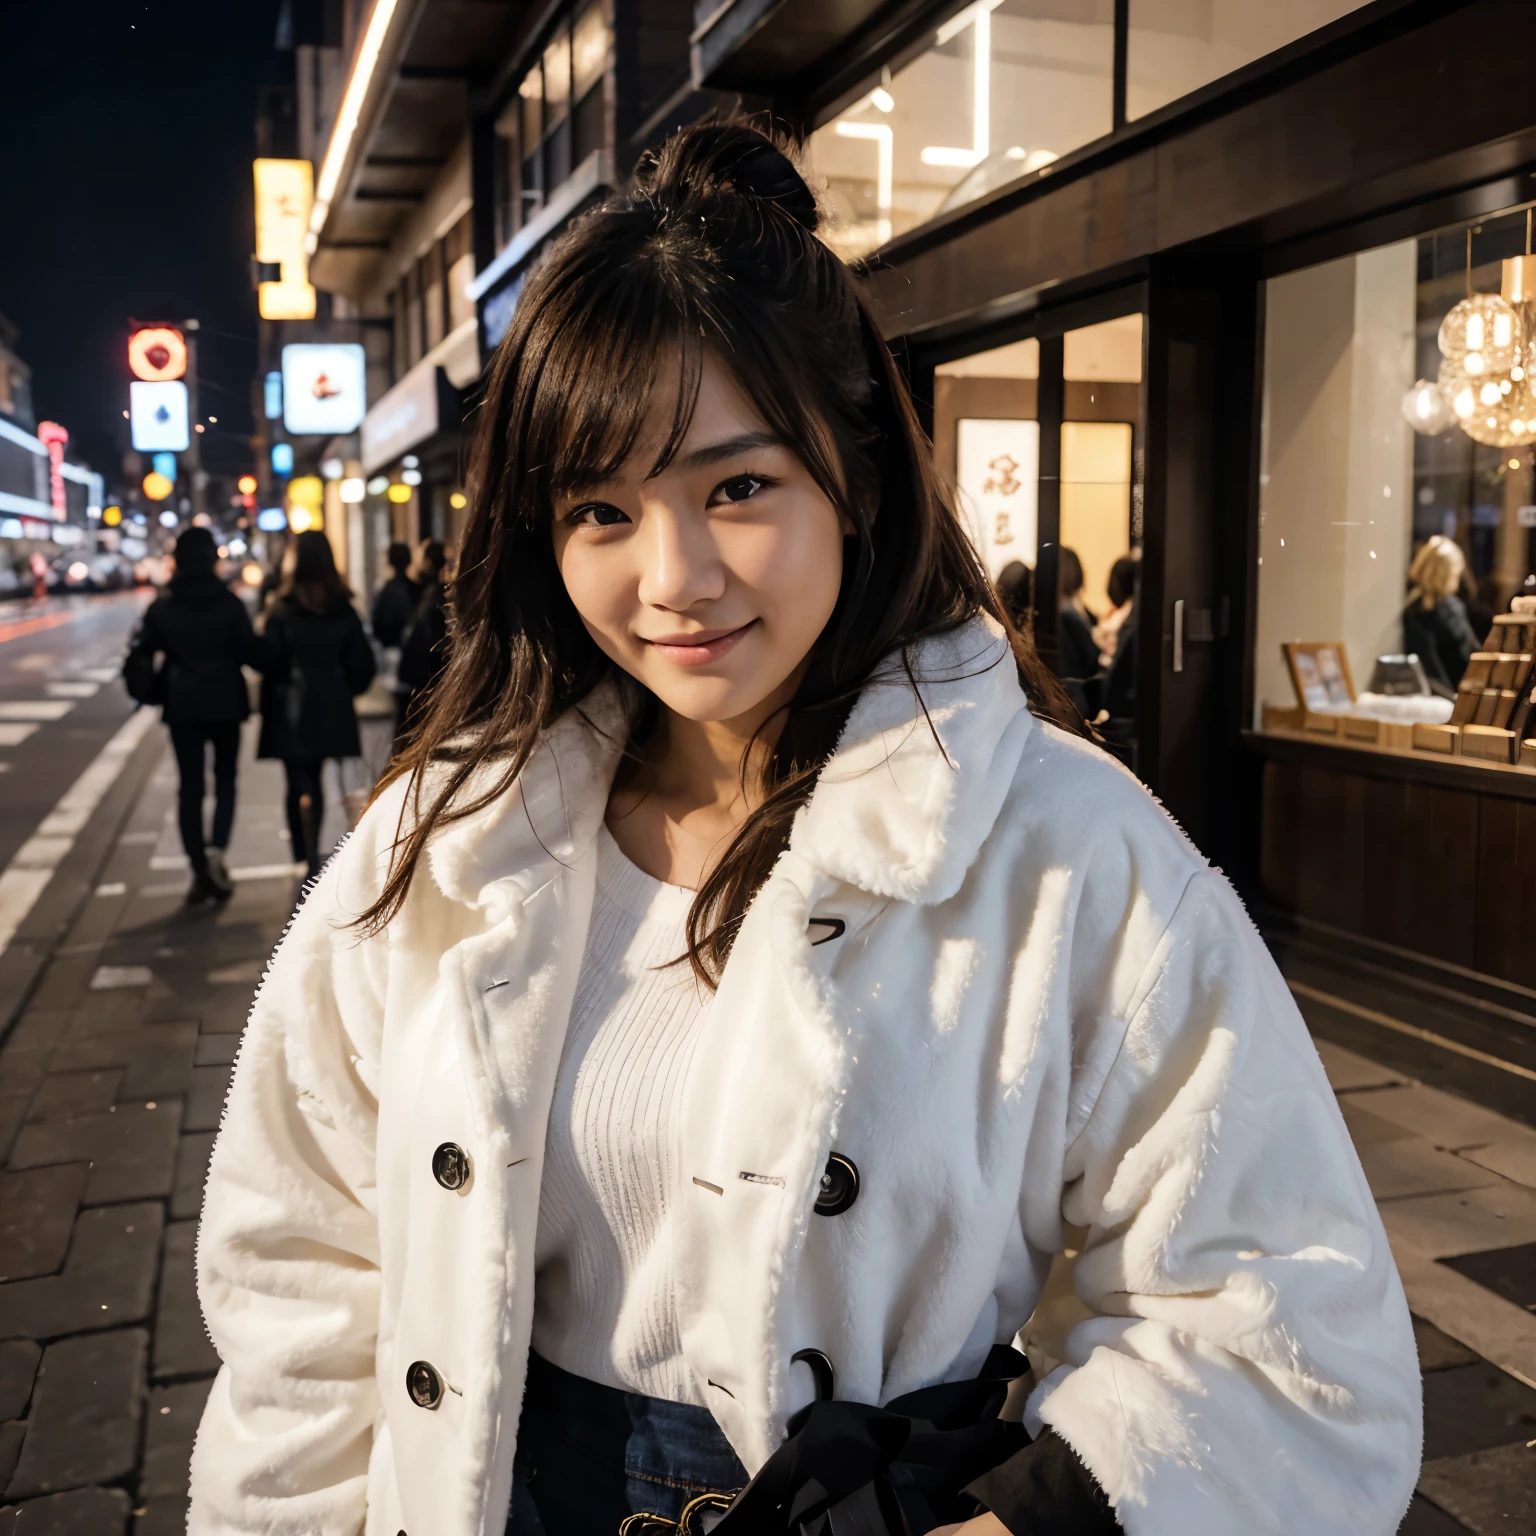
x,y
111,1086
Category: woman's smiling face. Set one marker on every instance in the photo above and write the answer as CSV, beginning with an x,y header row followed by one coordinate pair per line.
x,y
710,581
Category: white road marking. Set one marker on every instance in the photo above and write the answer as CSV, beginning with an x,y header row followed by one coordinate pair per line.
x,y
14,735
102,674
112,888
267,872
164,861
72,690
109,976
36,709
32,866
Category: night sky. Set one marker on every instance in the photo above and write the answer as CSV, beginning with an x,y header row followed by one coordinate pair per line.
x,y
126,137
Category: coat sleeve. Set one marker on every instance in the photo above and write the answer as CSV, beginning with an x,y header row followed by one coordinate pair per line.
x,y
287,1261
357,658
1251,1364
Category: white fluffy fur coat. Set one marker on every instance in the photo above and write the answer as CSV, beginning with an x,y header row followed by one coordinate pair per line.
x,y
1045,1010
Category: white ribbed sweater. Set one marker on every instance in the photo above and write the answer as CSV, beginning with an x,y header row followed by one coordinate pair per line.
x,y
604,1298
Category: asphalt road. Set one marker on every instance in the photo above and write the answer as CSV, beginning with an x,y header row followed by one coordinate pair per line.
x,y
60,699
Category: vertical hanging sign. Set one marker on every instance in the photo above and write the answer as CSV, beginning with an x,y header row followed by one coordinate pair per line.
x,y
54,438
285,193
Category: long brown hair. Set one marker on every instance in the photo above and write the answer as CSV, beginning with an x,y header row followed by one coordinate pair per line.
x,y
714,249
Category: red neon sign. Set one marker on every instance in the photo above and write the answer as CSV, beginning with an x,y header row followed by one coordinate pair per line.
x,y
54,437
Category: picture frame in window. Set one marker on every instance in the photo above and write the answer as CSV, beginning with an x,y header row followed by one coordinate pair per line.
x,y
1320,675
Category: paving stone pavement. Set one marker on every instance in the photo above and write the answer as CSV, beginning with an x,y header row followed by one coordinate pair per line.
x,y
111,1086
112,1082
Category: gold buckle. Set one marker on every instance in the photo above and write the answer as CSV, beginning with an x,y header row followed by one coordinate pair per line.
x,y
689,1523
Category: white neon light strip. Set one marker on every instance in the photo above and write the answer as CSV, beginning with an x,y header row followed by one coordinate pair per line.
x,y
885,172
978,15
347,115
24,506
25,439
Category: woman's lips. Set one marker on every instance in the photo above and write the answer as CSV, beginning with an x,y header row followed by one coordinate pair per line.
x,y
699,650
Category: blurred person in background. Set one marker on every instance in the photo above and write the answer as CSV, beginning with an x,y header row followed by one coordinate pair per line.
x,y
318,660
395,602
204,634
1077,657
424,649
1436,627
1015,586
1121,588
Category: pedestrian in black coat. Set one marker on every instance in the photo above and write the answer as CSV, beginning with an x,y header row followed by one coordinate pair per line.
x,y
395,601
204,634
318,661
424,650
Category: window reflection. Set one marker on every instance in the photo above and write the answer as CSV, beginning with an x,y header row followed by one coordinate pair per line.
x,y
1004,88
1177,46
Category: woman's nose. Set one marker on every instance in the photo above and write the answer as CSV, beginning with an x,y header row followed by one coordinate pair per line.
x,y
680,563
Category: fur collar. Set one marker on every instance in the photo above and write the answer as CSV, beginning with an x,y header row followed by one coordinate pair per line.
x,y
895,812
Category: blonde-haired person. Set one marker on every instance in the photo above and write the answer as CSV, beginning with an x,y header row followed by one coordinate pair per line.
x,y
1435,623
747,979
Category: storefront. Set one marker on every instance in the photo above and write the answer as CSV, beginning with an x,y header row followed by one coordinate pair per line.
x,y
1165,278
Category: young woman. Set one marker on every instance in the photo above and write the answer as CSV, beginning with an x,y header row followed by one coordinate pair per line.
x,y
746,984
1436,627
318,661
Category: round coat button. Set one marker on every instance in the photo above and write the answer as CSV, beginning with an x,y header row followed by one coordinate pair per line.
x,y
424,1384
450,1166
839,1186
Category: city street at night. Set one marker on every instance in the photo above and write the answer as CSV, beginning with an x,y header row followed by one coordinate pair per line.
x,y
768,768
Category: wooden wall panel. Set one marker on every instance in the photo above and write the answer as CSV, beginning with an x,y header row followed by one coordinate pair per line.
x,y
1443,844
1278,841
1331,858
1389,881
1506,890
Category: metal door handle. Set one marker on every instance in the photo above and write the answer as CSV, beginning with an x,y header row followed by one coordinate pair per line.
x,y
1178,635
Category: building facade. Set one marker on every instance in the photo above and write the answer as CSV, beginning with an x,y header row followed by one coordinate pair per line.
x,y
1197,285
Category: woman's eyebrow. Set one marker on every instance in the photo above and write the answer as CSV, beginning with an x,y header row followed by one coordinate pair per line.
x,y
726,448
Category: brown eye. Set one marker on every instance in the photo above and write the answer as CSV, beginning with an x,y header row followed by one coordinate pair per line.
x,y
597,514
741,487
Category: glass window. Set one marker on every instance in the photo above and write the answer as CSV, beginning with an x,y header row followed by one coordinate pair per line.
x,y
557,78
987,443
1397,500
1102,402
1176,46
531,94
1004,88
589,48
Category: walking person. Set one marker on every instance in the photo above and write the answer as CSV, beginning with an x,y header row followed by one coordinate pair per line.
x,y
424,650
746,982
318,661
395,601
203,632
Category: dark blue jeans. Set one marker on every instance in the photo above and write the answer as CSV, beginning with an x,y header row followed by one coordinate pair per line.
x,y
588,1456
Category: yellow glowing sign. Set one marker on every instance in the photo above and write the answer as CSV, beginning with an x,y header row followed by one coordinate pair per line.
x,y
458,501
307,491
285,193
112,516
246,485
156,486
398,493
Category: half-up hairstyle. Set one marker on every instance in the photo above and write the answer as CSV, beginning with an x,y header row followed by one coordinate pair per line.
x,y
713,250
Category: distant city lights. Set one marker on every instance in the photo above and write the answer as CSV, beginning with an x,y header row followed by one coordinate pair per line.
x,y
246,485
271,519
282,458
168,519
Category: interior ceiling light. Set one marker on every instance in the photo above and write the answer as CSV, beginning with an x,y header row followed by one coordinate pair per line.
x,y
1487,351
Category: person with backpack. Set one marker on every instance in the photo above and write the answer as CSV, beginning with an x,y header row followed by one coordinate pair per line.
x,y
204,635
318,661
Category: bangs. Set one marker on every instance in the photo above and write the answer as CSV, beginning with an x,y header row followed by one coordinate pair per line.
x,y
613,333
593,382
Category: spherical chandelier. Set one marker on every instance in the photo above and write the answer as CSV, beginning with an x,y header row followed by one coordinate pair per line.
x,y
1487,358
